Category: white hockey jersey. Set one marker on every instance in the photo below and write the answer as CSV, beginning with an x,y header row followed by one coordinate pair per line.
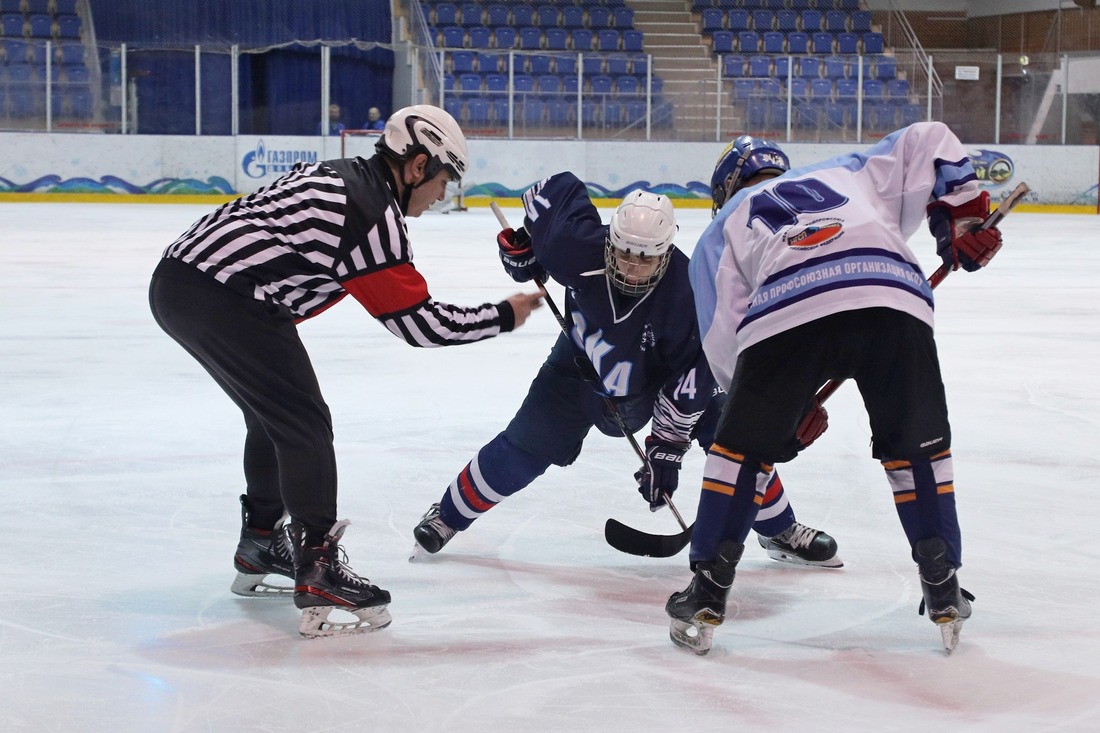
x,y
824,238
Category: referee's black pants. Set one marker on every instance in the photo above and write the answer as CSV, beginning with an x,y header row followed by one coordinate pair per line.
x,y
253,351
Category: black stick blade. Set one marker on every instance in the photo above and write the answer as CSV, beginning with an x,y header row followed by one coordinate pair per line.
x,y
635,542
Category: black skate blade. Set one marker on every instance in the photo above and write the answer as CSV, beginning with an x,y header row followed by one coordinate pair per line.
x,y
635,542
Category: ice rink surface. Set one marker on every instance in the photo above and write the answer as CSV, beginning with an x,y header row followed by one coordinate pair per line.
x,y
120,471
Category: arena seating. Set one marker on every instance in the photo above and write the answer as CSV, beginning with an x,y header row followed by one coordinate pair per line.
x,y
27,29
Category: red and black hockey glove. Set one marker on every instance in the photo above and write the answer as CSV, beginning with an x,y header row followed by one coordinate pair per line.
x,y
518,257
813,424
661,475
959,240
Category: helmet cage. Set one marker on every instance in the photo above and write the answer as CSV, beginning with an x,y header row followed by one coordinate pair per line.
x,y
638,244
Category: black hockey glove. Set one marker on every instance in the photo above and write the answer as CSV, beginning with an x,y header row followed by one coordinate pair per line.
x,y
959,240
661,475
518,257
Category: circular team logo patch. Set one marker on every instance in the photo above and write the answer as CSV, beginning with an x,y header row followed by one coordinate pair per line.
x,y
818,233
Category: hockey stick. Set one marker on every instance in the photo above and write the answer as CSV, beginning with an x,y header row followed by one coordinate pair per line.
x,y
612,408
635,542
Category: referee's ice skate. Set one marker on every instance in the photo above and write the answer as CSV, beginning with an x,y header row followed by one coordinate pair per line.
x,y
324,583
260,555
700,607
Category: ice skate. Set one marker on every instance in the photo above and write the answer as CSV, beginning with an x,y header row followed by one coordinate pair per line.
x,y
260,554
947,604
699,608
802,545
432,533
324,583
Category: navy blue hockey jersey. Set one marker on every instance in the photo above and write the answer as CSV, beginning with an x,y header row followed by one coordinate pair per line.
x,y
639,345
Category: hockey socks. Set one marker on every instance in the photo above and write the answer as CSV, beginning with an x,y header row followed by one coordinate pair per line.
x,y
499,470
733,491
924,496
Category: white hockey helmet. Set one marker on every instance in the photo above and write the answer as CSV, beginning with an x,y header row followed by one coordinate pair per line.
x,y
423,128
639,242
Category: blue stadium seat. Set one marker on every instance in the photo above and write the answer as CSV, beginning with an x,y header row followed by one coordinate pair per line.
x,y
462,62
556,39
530,38
504,37
836,113
446,14
782,66
547,16
590,112
454,37
738,20
633,40
601,84
62,7
822,42
455,107
770,87
847,88
639,64
748,42
593,64
541,63
71,53
496,83
743,88
572,16
756,113
861,21
786,21
873,89
777,113
809,67
886,67
623,18
471,14
608,39
68,26
762,20
599,17
798,43
847,43
713,20
566,64
911,113
77,74
477,111
799,88
733,65
11,25
500,110
570,84
821,88
773,42
548,83
38,6
836,67
626,85
836,21
618,64
898,89
635,112
612,113
489,62
469,82
479,36
497,14
531,113
760,66
811,21
523,83
523,15
879,115
722,42
559,112
872,43
807,114
582,39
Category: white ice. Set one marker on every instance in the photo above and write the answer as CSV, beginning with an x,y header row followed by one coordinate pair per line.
x,y
120,471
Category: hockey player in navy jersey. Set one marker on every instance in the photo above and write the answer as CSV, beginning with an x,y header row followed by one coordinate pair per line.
x,y
630,306
233,287
805,276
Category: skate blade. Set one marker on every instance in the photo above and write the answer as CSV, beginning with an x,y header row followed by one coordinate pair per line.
x,y
418,552
781,556
695,636
315,623
950,630
251,585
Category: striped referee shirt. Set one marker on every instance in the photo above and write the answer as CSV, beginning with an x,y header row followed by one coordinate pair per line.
x,y
325,230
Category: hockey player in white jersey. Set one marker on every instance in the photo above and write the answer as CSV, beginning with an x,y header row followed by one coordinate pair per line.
x,y
805,277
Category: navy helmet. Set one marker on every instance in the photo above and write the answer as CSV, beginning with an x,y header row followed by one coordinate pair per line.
x,y
741,160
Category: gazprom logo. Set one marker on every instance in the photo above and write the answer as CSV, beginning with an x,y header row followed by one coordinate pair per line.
x,y
264,161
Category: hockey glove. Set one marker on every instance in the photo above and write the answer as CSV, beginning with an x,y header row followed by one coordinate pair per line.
x,y
518,257
660,476
959,240
813,424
